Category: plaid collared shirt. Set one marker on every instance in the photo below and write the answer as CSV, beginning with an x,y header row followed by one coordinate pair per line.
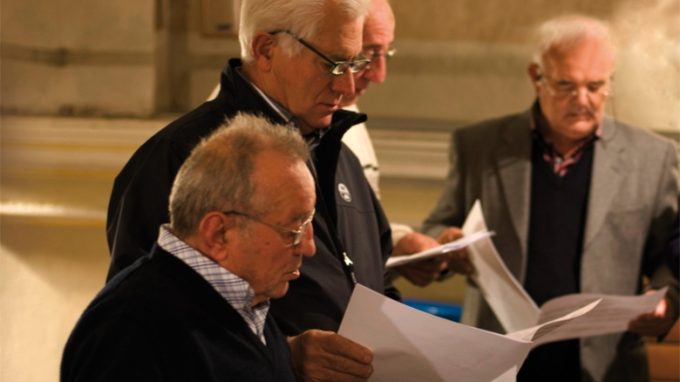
x,y
234,289
560,165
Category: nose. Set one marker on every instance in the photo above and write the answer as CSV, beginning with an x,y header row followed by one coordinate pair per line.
x,y
582,95
344,84
307,247
377,70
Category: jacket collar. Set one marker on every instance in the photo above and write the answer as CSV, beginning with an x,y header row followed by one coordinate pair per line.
x,y
237,93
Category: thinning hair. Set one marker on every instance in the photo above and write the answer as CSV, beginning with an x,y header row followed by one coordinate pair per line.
x,y
567,31
217,174
302,17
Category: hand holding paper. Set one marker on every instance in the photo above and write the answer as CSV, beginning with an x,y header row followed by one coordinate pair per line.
x,y
326,356
420,273
437,251
410,345
517,311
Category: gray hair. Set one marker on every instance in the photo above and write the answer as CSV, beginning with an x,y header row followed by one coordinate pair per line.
x,y
569,30
302,17
217,174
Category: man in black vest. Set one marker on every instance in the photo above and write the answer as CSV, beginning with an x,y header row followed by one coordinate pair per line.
x,y
580,203
197,308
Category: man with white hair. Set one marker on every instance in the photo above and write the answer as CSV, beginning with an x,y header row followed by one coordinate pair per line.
x,y
196,308
377,46
580,203
299,58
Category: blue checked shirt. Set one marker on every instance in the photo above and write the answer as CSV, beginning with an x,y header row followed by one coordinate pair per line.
x,y
234,289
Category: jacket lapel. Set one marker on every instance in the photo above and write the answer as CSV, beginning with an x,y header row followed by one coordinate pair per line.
x,y
605,179
514,168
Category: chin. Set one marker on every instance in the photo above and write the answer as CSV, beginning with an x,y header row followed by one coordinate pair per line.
x,y
279,291
579,126
321,123
582,128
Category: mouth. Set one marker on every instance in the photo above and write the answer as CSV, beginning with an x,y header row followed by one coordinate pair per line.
x,y
293,275
581,115
333,106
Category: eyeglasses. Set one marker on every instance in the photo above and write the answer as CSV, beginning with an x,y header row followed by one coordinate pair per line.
x,y
336,68
295,235
374,53
562,89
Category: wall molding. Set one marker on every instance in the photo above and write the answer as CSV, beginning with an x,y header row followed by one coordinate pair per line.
x,y
406,148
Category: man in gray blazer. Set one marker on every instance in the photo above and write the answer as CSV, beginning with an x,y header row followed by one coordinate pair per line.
x,y
580,203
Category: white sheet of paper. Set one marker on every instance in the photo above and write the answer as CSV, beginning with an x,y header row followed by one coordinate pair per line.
x,y
534,333
461,243
410,345
611,315
507,298
517,312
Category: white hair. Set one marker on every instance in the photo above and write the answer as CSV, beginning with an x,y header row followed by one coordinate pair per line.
x,y
302,17
219,172
569,30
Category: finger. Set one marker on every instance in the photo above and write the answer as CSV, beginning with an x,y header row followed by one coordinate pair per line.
x,y
449,234
460,262
339,368
417,277
338,345
661,307
427,266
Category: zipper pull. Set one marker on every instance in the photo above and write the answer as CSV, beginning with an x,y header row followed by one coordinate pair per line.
x,y
350,266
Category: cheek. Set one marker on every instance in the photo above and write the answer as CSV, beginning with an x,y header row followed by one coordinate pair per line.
x,y
551,109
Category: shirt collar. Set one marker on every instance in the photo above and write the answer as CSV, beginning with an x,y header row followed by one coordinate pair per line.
x,y
312,139
232,288
277,107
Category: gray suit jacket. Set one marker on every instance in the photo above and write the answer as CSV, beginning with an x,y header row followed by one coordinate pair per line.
x,y
632,205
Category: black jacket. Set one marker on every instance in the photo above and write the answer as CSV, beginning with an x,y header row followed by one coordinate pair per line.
x,y
355,224
159,320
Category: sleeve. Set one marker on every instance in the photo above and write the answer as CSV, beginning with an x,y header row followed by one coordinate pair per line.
x,y
449,210
139,203
116,349
399,231
655,265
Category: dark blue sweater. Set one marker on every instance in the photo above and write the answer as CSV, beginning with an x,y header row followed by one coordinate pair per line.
x,y
161,321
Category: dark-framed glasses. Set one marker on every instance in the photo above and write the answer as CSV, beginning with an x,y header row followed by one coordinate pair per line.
x,y
336,68
294,235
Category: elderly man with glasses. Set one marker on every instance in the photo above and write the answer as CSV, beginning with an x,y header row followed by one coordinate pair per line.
x,y
196,308
580,203
377,46
298,61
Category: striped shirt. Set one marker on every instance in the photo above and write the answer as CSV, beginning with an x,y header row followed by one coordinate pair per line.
x,y
236,291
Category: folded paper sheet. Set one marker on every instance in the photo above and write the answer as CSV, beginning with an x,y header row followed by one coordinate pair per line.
x,y
516,311
410,345
437,251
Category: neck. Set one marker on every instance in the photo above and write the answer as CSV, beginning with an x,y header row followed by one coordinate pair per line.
x,y
258,299
565,148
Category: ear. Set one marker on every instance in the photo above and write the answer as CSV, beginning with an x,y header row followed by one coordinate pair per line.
x,y
264,45
214,230
535,74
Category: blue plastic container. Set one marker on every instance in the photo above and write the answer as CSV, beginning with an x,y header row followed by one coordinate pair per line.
x,y
441,309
